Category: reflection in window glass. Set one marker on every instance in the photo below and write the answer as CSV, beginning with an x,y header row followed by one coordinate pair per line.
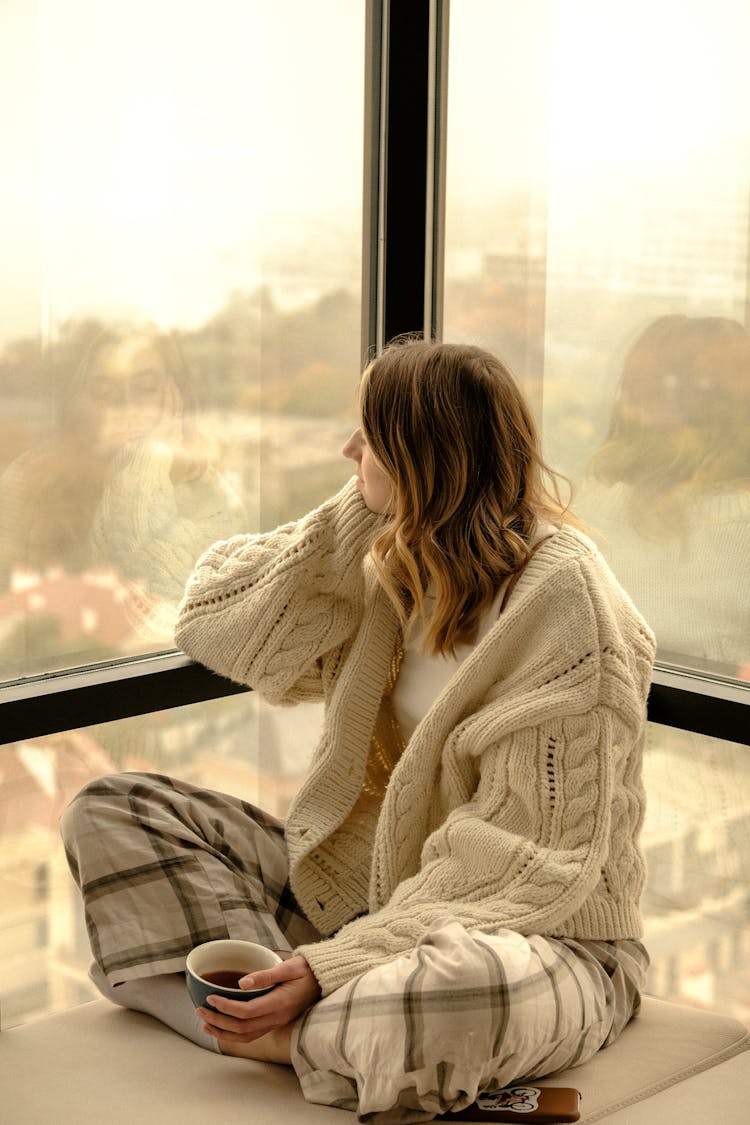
x,y
236,745
597,238
179,328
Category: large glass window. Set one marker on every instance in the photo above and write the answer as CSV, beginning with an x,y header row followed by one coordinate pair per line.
x,y
179,355
598,187
696,840
180,318
238,746
180,346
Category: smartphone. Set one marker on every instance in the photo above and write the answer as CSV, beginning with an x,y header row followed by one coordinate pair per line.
x,y
550,1104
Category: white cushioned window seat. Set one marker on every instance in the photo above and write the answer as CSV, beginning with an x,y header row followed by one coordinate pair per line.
x,y
99,1063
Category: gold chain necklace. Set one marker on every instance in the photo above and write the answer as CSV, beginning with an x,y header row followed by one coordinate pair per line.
x,y
387,742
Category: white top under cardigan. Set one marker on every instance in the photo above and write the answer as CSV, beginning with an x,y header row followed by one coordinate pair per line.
x,y
518,800
423,676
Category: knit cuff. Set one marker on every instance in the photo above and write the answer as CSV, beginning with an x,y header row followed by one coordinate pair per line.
x,y
355,949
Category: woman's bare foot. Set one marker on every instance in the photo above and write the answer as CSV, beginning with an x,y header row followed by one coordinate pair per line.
x,y
274,1046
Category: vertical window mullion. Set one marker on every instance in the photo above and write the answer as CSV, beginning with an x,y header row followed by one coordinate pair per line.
x,y
404,169
406,166
373,181
437,124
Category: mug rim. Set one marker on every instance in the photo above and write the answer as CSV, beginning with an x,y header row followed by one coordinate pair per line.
x,y
240,944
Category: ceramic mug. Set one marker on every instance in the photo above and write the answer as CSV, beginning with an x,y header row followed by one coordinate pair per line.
x,y
214,968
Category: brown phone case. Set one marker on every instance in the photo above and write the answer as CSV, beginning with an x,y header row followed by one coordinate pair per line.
x,y
519,1103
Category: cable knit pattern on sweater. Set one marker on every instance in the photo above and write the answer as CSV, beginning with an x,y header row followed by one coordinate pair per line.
x,y
518,799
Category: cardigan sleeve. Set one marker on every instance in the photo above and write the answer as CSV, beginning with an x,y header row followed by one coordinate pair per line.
x,y
264,610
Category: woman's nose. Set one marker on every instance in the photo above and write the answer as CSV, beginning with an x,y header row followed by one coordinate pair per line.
x,y
353,447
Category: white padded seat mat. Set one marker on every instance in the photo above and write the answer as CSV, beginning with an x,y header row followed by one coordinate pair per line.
x,y
103,1064
666,1045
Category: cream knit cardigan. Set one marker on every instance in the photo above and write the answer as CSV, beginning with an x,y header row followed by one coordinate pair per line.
x,y
518,800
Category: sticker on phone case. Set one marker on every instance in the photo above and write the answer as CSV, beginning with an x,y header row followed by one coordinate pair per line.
x,y
519,1099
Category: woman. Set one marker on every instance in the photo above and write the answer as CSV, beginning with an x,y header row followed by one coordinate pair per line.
x,y
456,886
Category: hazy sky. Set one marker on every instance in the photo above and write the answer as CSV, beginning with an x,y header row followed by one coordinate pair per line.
x,y
575,99
159,153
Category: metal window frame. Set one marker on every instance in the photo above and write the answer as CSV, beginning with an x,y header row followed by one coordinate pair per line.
x,y
122,689
403,229
404,176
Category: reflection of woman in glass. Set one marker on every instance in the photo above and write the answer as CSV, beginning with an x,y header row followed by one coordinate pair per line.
x,y
124,484
458,878
670,487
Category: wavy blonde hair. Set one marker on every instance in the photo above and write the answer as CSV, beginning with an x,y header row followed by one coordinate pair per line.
x,y
453,432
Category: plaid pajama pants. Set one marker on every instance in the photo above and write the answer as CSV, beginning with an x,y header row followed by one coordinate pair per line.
x,y
163,866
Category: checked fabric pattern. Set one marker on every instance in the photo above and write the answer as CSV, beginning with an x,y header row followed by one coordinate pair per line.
x,y
164,866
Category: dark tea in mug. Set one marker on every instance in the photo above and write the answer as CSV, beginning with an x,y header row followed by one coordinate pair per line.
x,y
217,967
225,978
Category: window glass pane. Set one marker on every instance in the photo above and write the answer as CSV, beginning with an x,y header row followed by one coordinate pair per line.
x,y
696,839
597,237
236,745
180,314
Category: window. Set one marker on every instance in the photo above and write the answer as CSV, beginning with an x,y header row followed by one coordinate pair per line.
x,y
180,325
236,745
186,237
597,237
696,905
179,354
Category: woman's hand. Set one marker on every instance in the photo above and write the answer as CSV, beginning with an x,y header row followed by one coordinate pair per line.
x,y
242,1021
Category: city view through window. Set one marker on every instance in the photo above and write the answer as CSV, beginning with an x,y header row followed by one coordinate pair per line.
x,y
180,334
180,345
